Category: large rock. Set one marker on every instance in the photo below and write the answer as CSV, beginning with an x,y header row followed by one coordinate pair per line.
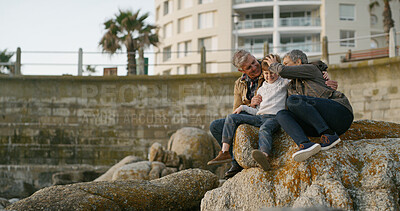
x,y
195,145
109,174
357,174
179,191
158,153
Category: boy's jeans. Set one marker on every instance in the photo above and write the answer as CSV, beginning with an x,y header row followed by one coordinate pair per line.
x,y
267,123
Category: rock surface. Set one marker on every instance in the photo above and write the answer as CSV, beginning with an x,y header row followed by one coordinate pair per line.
x,y
180,191
109,174
357,174
195,145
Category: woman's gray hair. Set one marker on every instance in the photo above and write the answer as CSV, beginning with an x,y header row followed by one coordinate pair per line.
x,y
294,55
239,57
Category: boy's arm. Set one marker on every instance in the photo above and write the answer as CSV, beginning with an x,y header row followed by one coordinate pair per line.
x,y
248,109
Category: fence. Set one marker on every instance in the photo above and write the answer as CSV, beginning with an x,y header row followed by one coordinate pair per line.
x,y
319,50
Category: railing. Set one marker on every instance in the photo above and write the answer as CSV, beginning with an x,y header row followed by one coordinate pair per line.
x,y
40,60
285,22
250,1
302,21
256,23
306,47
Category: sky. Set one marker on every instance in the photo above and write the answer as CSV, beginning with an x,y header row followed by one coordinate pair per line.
x,y
52,31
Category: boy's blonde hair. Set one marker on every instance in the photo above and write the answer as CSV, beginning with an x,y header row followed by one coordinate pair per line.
x,y
264,64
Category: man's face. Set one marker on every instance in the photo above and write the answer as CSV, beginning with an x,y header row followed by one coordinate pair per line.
x,y
288,62
251,67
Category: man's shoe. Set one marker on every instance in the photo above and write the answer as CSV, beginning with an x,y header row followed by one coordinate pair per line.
x,y
306,150
223,157
233,171
261,159
329,141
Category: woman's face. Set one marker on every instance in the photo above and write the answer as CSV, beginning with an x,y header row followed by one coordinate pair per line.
x,y
288,62
270,77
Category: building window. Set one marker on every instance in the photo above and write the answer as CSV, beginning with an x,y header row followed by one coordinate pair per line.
x,y
205,1
374,43
206,20
167,53
184,48
185,24
167,30
183,4
374,19
347,12
167,7
210,43
347,34
157,13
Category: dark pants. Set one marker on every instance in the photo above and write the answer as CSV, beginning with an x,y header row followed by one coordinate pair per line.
x,y
310,116
216,128
267,124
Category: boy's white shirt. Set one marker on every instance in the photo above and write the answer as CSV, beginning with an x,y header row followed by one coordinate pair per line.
x,y
273,98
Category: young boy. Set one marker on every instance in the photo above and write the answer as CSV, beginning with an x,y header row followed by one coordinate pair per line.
x,y
273,92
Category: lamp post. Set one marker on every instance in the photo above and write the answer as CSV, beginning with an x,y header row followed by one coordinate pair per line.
x,y
236,22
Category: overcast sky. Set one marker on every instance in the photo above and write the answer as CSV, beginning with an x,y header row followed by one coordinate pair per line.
x,y
62,25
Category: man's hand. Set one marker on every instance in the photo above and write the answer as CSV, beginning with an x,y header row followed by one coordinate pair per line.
x,y
270,59
255,101
238,110
332,84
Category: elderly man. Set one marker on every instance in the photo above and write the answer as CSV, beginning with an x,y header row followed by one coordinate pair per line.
x,y
245,93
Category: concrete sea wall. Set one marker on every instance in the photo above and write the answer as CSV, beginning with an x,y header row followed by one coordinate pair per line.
x,y
50,124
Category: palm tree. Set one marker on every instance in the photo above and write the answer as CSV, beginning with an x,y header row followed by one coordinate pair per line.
x,y
147,36
388,22
5,58
127,29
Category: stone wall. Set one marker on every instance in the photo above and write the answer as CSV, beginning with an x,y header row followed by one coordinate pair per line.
x,y
373,87
51,124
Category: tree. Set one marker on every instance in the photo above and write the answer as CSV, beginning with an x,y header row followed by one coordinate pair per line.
x,y
5,58
388,22
130,30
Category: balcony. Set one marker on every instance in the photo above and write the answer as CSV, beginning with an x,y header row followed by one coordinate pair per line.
x,y
304,46
256,23
301,21
249,1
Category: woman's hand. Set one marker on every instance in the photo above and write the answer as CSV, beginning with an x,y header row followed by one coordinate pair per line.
x,y
332,84
238,110
325,75
270,59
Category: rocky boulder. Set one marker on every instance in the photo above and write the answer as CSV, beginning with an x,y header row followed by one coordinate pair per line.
x,y
195,145
179,191
109,174
360,173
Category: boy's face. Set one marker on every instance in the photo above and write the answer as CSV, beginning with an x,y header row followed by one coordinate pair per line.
x,y
270,77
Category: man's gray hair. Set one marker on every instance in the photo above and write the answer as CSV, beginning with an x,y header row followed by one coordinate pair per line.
x,y
294,55
239,57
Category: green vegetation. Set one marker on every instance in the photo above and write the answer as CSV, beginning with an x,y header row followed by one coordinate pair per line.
x,y
5,58
130,30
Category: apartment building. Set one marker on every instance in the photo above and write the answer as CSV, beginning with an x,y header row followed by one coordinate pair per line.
x,y
222,26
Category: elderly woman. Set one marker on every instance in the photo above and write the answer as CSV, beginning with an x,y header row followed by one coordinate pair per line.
x,y
313,108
